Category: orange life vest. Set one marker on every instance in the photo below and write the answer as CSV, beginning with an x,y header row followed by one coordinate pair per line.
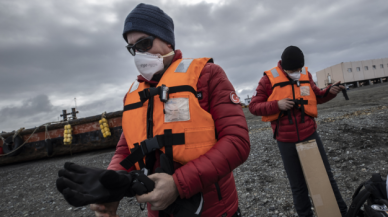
x,y
300,91
178,127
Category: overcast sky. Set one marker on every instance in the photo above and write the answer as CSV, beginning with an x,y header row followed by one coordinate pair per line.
x,y
52,51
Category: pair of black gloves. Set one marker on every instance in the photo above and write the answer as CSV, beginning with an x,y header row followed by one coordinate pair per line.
x,y
86,185
81,186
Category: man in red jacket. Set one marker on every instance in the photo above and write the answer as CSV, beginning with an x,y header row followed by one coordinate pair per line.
x,y
287,97
149,33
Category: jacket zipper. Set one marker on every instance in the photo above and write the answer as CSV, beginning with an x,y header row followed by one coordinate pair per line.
x,y
296,122
150,158
218,191
150,118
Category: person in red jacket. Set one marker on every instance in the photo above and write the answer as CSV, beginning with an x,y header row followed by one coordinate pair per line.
x,y
149,33
287,97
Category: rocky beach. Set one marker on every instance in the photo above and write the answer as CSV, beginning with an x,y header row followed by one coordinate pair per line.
x,y
354,133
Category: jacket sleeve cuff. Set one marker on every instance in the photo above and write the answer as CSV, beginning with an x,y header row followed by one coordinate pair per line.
x,y
178,186
276,106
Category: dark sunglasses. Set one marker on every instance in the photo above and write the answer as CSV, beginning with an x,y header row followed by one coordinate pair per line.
x,y
143,45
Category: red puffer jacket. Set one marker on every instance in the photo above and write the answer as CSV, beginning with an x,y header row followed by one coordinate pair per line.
x,y
286,132
211,173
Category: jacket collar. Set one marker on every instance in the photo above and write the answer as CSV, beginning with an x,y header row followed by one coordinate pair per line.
x,y
177,56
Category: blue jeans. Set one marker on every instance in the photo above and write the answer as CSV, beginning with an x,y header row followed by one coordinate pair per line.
x,y
296,178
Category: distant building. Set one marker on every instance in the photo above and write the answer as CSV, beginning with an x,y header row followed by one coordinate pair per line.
x,y
355,73
248,100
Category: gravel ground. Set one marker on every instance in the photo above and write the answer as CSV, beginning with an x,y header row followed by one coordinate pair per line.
x,y
354,133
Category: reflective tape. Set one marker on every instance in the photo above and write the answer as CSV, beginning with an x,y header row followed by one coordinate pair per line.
x,y
183,65
134,87
303,70
274,73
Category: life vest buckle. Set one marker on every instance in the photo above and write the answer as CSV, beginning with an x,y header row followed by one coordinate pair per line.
x,y
164,93
151,145
145,171
297,83
144,95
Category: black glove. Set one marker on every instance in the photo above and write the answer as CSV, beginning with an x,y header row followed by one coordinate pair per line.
x,y
86,185
191,207
141,184
343,90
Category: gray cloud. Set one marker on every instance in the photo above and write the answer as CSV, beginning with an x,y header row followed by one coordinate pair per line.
x,y
29,107
27,113
58,50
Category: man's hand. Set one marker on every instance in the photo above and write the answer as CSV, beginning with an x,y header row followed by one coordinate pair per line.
x,y
164,194
105,210
285,104
336,89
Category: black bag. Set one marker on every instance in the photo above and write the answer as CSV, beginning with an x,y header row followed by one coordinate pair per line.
x,y
374,193
371,210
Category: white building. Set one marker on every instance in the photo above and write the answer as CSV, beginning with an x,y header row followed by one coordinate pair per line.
x,y
248,100
356,73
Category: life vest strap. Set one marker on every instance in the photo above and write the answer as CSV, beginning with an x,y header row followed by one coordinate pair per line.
x,y
301,102
168,143
288,113
133,106
298,102
149,145
183,88
283,84
147,93
141,163
136,154
278,121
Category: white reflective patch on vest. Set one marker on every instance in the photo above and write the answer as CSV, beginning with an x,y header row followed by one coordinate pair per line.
x,y
184,65
303,70
134,87
305,91
177,109
275,73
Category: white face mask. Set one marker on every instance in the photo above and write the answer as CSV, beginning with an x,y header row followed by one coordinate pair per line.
x,y
148,64
294,75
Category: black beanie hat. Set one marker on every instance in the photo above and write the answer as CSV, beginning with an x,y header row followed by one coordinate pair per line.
x,y
292,58
150,20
